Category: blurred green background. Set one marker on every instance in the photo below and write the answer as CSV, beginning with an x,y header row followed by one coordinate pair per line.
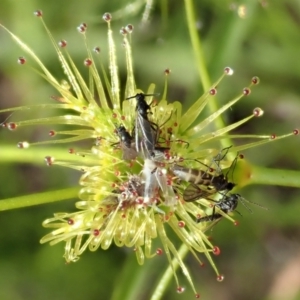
x,y
261,258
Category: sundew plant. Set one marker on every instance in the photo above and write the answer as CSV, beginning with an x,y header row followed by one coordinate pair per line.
x,y
156,178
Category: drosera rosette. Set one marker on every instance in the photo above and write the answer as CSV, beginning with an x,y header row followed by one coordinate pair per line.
x,y
131,200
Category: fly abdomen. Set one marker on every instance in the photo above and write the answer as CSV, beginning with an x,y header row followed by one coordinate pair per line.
x,y
192,175
209,218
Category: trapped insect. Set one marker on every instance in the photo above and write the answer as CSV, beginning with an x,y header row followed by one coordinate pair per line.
x,y
145,131
127,144
202,183
227,204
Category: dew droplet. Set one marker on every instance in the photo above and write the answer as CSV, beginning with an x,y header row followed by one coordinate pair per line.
x,y
97,50
216,250
38,13
255,80
181,224
12,126
167,71
62,43
87,62
159,251
123,31
273,136
180,289
258,112
213,91
107,17
52,133
70,221
49,160
228,71
23,145
296,131
129,28
21,60
246,91
220,278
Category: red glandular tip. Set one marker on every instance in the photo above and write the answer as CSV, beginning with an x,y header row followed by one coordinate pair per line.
x,y
246,91
21,61
12,126
167,71
213,91
38,13
87,62
107,17
82,28
52,133
181,224
97,50
220,278
180,289
49,160
197,296
159,251
96,232
123,31
255,80
296,131
23,145
236,223
258,112
62,43
129,28
228,71
273,136
241,156
216,250
70,221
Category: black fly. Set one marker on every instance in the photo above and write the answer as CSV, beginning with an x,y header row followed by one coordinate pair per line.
x,y
126,143
202,183
227,204
145,130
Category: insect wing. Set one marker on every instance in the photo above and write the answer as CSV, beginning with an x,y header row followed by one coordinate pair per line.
x,y
194,192
144,137
129,153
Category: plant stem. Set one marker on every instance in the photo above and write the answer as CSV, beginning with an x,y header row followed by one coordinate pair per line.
x,y
39,198
268,176
201,65
35,155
